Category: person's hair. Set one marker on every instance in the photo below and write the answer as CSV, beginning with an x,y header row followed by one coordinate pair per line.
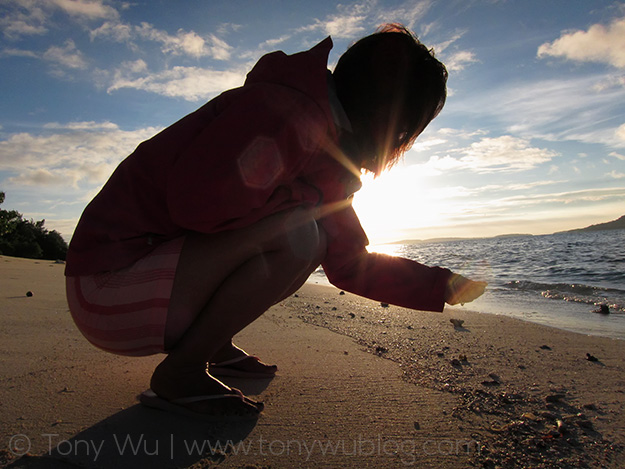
x,y
391,69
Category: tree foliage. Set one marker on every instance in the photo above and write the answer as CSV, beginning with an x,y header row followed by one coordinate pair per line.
x,y
28,238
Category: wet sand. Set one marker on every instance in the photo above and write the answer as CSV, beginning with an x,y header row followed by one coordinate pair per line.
x,y
359,385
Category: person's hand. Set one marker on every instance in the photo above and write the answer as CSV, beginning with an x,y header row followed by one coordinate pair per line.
x,y
462,290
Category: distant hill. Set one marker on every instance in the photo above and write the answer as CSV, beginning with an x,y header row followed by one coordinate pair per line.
x,y
445,240
429,240
618,224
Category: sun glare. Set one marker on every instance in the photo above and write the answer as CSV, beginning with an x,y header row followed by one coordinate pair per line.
x,y
395,203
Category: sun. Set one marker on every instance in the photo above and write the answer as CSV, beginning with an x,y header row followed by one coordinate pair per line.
x,y
394,204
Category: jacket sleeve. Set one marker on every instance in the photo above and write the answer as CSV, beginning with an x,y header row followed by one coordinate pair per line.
x,y
395,280
243,158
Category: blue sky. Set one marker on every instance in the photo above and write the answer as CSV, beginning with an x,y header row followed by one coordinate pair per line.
x,y
531,140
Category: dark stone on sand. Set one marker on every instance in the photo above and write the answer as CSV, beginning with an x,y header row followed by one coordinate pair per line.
x,y
490,383
553,398
603,309
549,415
591,358
380,350
545,347
384,305
457,322
341,293
29,293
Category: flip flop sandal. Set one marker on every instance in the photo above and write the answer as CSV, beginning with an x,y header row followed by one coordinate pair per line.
x,y
178,406
226,368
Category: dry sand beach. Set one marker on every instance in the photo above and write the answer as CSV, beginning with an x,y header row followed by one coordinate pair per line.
x,y
359,385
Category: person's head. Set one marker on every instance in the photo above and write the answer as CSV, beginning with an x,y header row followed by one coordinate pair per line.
x,y
391,87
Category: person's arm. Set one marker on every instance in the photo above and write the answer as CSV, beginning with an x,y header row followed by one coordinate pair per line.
x,y
395,280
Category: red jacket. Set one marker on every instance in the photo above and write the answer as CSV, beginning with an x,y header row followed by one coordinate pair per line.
x,y
250,152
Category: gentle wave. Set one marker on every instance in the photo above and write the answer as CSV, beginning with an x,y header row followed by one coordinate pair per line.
x,y
577,293
563,287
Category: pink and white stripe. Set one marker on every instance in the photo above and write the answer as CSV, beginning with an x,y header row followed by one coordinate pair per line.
x,y
125,312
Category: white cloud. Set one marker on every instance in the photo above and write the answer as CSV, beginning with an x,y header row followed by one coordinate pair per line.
x,y
189,43
454,60
344,26
182,43
225,28
23,19
354,20
34,17
88,125
271,43
610,81
620,132
458,60
46,177
190,83
557,109
11,52
569,197
67,56
113,30
615,175
90,9
605,44
505,153
442,46
427,143
410,14
68,154
493,155
513,187
618,156
347,23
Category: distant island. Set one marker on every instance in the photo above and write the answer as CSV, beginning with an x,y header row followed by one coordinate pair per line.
x,y
618,224
445,240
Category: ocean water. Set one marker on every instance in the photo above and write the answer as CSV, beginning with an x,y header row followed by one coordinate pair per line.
x,y
556,280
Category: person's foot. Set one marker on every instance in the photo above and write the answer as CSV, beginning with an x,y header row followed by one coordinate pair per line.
x,y
180,385
233,361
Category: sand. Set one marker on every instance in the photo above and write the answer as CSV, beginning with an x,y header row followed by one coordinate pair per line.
x,y
359,385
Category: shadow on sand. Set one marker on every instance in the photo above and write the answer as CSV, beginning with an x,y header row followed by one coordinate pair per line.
x,y
140,437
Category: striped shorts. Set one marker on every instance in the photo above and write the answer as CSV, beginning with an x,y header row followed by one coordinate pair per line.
x,y
125,311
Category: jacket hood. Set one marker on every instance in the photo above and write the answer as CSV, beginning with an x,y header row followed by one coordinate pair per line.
x,y
304,71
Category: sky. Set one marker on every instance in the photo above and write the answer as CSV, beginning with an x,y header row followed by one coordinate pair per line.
x,y
531,139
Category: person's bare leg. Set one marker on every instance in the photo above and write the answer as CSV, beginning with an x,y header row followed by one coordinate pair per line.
x,y
230,351
223,283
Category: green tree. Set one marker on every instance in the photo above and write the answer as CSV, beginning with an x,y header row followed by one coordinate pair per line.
x,y
27,238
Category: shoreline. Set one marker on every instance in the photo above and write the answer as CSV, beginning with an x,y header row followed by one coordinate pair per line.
x,y
358,385
526,310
